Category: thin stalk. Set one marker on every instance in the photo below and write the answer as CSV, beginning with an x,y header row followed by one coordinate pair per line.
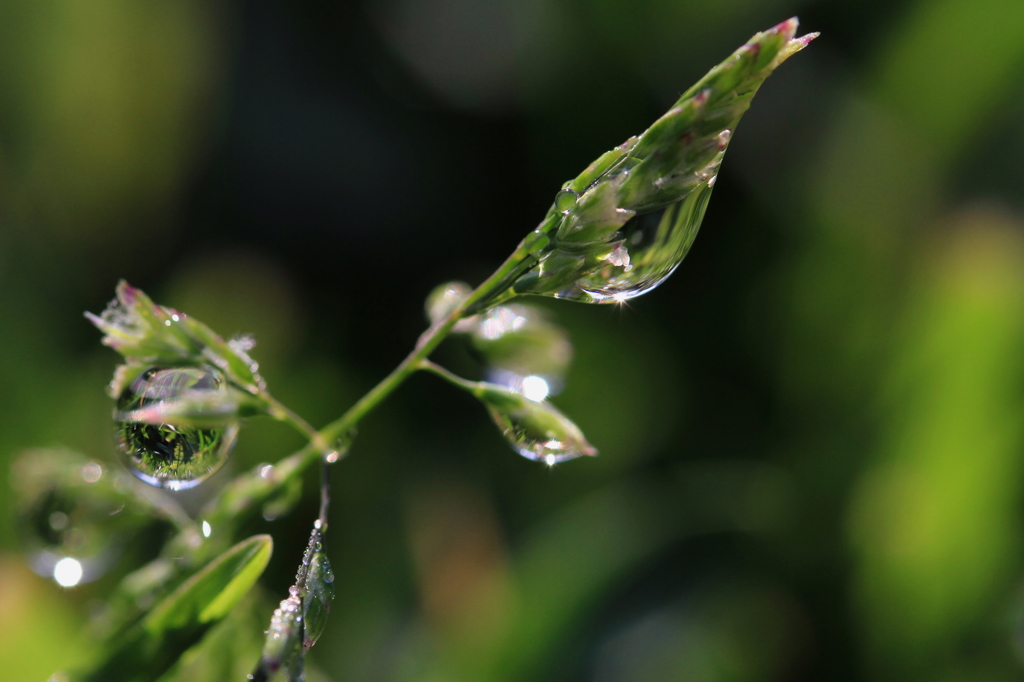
x,y
283,413
426,344
447,375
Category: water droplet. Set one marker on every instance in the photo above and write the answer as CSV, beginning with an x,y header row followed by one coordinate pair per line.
x,y
643,253
536,430
519,342
58,520
207,529
172,456
444,299
565,200
92,472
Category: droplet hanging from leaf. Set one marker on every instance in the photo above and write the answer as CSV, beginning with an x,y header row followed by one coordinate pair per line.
x,y
534,429
637,208
176,425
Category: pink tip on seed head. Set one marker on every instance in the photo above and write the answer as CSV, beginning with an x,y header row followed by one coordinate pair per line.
x,y
126,293
788,27
805,39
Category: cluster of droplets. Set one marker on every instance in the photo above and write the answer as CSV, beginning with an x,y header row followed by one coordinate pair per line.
x,y
300,618
175,456
317,579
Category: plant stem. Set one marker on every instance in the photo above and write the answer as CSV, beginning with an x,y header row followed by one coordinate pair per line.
x,y
447,375
282,412
426,344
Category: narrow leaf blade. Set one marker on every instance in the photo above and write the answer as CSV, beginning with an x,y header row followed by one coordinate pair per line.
x,y
181,619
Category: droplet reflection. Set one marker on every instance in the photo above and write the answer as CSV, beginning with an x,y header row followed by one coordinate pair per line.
x,y
166,455
68,572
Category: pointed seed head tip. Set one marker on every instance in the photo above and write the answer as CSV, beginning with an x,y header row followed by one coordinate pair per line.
x,y
788,27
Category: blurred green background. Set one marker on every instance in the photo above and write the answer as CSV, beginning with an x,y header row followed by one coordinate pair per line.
x,y
812,436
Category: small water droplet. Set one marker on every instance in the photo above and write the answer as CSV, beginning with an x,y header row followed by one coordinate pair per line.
x,y
332,457
170,456
266,471
711,182
207,529
566,200
444,299
58,520
92,472
539,432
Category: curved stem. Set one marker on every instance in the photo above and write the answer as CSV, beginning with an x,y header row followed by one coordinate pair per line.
x,y
426,344
282,412
447,375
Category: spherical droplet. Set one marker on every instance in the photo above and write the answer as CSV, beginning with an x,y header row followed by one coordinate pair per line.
x,y
172,456
565,200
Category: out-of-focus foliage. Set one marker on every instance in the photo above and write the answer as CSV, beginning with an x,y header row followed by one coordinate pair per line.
x,y
810,436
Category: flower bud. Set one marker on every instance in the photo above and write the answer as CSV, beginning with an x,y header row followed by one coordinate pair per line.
x,y
146,334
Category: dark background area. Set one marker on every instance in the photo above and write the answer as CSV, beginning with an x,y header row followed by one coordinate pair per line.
x,y
811,436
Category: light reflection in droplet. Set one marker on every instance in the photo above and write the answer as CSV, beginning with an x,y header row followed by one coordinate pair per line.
x,y
92,472
332,457
207,529
266,471
535,388
58,520
499,322
67,572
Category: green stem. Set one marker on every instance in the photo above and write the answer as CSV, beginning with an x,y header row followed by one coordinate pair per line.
x,y
281,412
429,340
448,375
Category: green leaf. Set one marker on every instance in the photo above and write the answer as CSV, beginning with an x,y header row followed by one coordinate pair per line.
x,y
180,620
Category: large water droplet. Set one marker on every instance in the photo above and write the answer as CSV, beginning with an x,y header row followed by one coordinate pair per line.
x,y
627,262
527,352
171,456
646,251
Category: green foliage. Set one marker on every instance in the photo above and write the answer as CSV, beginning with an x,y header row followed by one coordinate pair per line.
x,y
149,648
615,232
